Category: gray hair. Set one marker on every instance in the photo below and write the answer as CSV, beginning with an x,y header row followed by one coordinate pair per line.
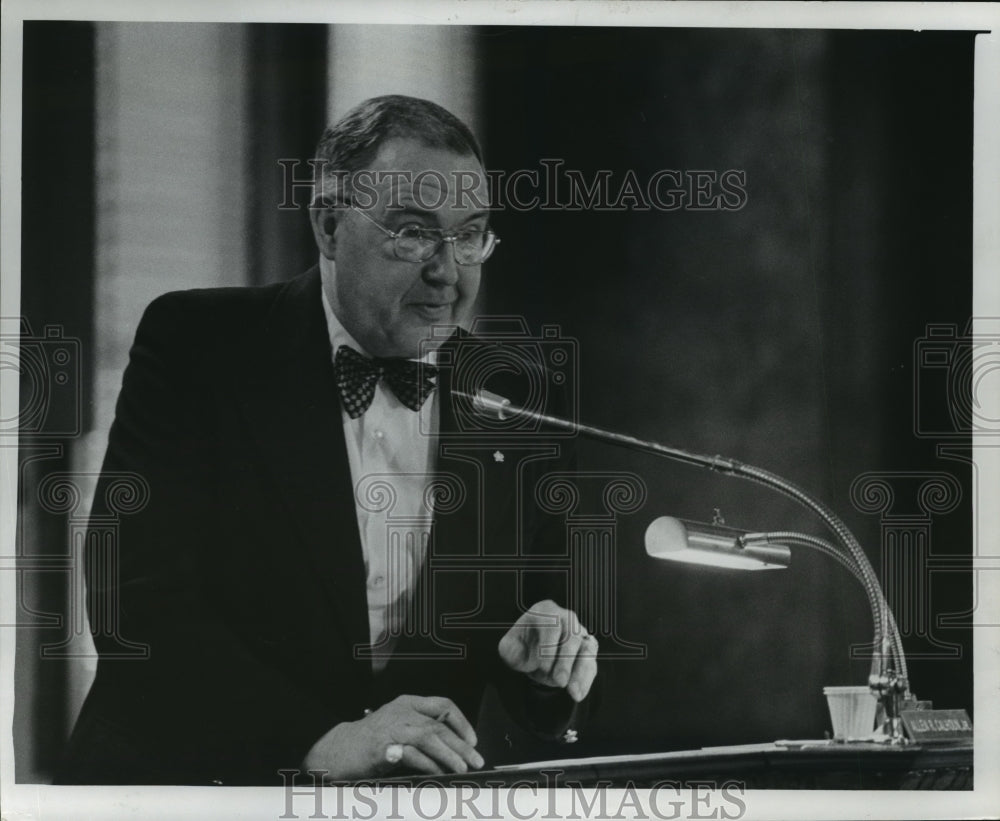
x,y
354,140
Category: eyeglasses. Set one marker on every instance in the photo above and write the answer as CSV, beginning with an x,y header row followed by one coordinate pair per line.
x,y
414,243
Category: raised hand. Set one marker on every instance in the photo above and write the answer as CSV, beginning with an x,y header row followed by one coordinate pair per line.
x,y
549,644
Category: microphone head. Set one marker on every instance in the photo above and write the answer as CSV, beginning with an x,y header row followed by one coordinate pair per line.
x,y
491,405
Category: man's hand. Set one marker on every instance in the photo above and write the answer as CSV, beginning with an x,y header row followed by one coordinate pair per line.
x,y
549,644
433,735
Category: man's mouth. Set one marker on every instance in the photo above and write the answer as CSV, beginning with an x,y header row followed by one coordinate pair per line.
x,y
433,310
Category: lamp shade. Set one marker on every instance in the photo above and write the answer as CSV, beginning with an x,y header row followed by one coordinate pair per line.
x,y
711,545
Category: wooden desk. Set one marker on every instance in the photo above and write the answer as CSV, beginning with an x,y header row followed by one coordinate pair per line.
x,y
815,765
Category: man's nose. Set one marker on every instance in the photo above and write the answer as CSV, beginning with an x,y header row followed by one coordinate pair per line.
x,y
442,268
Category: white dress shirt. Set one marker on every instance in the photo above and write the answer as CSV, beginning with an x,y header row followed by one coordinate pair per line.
x,y
391,453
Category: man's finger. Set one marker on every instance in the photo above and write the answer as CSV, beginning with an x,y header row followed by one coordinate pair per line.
x,y
514,650
546,643
584,670
425,738
571,640
445,710
467,751
415,761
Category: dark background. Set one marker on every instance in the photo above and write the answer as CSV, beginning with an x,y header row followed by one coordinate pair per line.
x,y
781,334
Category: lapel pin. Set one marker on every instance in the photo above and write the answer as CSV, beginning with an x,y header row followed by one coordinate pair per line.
x,y
497,456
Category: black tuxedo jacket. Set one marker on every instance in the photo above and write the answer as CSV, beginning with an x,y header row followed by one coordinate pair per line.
x,y
240,582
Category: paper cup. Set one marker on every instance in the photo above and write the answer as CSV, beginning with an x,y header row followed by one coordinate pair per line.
x,y
852,711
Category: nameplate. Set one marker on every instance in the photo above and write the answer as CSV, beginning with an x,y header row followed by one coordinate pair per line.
x,y
930,726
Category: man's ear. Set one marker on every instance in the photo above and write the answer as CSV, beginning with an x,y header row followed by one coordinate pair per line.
x,y
324,225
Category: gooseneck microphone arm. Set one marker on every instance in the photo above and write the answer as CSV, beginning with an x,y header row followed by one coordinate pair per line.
x,y
489,404
889,672
822,546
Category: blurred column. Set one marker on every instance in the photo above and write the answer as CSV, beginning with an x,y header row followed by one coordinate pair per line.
x,y
170,200
436,63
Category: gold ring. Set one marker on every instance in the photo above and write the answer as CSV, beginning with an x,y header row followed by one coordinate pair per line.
x,y
394,753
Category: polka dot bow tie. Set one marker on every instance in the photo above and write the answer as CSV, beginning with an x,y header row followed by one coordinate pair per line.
x,y
358,375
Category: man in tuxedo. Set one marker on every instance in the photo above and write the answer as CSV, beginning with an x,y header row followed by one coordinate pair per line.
x,y
329,560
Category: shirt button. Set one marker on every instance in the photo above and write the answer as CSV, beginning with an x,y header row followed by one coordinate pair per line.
x,y
378,581
377,434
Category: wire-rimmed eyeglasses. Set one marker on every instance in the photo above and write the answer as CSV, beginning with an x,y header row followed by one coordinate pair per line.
x,y
415,243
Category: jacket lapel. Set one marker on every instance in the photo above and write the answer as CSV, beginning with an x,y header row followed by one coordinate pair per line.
x,y
292,405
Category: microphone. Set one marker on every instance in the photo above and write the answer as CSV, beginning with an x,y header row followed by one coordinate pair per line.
x,y
500,409
492,405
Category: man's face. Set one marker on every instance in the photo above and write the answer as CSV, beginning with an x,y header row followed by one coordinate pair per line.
x,y
387,304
